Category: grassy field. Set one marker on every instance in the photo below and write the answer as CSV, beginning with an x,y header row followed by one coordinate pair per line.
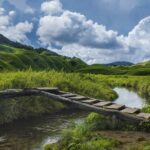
x,y
98,86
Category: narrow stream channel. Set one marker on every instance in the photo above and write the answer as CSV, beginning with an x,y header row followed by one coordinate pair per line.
x,y
33,133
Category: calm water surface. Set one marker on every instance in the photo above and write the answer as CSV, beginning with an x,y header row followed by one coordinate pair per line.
x,y
129,98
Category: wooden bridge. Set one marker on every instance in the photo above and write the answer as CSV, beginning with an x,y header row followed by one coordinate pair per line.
x,y
95,105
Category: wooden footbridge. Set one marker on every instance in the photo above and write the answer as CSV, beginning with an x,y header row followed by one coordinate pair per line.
x,y
95,105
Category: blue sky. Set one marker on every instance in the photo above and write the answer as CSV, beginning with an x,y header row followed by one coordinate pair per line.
x,y
97,31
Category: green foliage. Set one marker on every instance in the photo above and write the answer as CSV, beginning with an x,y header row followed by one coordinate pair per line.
x,y
85,136
146,109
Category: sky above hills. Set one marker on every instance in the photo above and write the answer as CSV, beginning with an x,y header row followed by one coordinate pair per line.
x,y
97,31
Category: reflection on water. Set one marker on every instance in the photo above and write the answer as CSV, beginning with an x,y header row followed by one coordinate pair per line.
x,y
129,98
32,133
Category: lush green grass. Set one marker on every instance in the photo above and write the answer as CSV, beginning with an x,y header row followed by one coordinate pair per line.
x,y
98,86
12,58
78,83
117,70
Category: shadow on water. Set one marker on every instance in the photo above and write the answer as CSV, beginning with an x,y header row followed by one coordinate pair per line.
x,y
33,133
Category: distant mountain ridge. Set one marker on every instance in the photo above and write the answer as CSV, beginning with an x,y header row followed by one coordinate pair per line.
x,y
120,63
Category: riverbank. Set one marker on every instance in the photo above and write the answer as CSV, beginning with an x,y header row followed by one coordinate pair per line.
x,y
100,133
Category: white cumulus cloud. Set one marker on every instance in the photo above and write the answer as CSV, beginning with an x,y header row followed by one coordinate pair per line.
x,y
71,27
89,40
15,32
51,7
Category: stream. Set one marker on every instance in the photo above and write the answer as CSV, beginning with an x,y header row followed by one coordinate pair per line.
x,y
129,98
33,133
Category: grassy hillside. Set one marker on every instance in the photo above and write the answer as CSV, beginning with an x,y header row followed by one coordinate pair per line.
x,y
12,58
139,69
16,56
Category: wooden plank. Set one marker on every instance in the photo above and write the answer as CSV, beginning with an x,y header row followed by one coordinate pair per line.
x,y
48,89
144,115
130,110
78,97
68,95
103,103
115,106
90,101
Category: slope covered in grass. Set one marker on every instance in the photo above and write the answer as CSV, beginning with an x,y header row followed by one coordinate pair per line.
x,y
21,59
117,70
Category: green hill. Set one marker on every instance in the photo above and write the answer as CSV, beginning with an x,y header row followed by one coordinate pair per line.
x,y
139,69
15,56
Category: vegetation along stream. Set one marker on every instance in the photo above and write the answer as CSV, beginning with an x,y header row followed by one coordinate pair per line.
x,y
34,132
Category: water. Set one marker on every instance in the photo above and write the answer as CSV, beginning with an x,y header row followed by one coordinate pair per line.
x,y
129,98
33,133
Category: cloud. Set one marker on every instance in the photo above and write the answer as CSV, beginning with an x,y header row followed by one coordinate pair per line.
x,y
88,40
78,36
70,28
139,39
17,32
51,7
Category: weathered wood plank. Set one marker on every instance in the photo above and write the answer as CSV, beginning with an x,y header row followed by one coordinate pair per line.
x,y
130,110
90,101
144,115
103,103
115,106
68,95
79,98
